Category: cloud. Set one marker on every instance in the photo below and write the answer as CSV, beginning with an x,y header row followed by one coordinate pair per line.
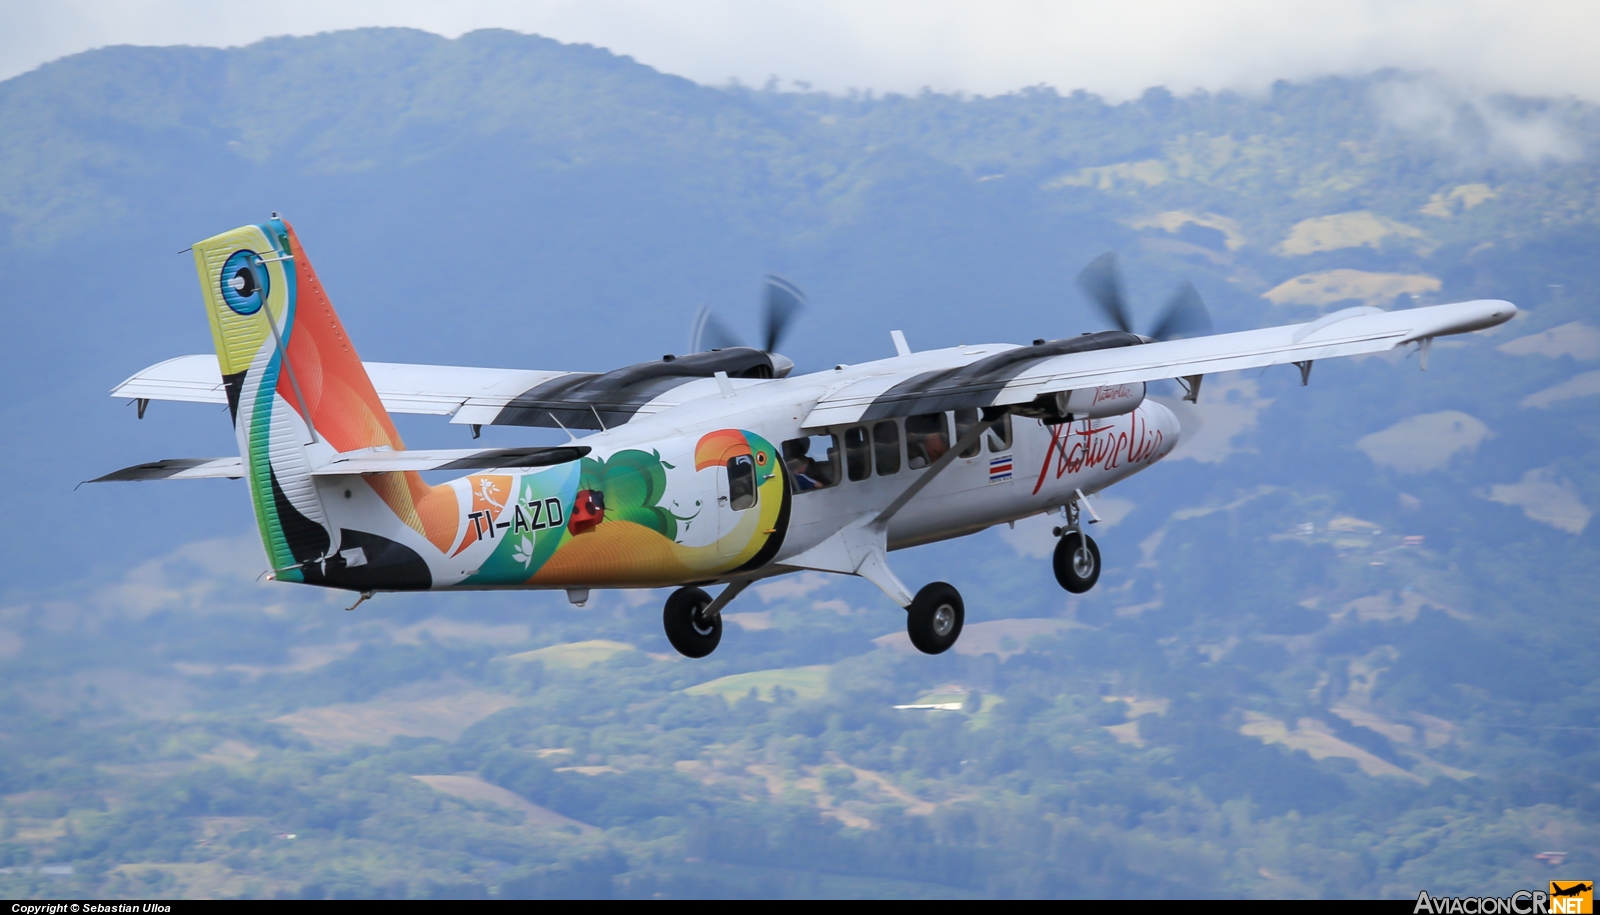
x,y
1116,50
1586,384
1546,498
1472,125
1424,442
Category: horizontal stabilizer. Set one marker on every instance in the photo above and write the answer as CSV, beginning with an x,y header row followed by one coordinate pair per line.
x,y
178,469
375,461
484,396
439,390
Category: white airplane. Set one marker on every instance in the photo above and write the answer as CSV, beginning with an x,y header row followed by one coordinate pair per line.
x,y
717,467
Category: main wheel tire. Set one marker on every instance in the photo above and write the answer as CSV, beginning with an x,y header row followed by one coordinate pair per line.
x,y
1076,562
935,617
692,634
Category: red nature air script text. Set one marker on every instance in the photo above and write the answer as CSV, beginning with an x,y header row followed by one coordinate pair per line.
x,y
1116,392
1106,447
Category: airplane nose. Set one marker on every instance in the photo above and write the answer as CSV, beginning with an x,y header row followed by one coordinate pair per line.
x,y
1166,422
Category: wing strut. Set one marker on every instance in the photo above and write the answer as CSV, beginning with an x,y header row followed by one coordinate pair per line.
x,y
945,460
862,546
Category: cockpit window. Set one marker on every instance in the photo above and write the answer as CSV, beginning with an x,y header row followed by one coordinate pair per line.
x,y
813,462
927,439
741,483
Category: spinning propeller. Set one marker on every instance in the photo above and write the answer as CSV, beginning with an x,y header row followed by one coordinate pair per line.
x,y
783,301
1184,316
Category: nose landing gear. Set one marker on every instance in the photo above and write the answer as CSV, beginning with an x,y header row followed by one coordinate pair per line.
x,y
692,631
1076,561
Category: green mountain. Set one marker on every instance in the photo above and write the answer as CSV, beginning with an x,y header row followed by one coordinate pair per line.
x,y
1339,648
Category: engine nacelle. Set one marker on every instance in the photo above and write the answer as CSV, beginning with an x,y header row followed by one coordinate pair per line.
x,y
1085,403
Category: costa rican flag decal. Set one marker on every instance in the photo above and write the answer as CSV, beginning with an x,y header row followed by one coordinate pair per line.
x,y
1000,469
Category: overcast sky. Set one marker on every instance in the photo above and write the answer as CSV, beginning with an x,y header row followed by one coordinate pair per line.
x,y
1116,49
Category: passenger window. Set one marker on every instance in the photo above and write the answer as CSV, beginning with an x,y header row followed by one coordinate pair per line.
x,y
927,439
813,462
857,453
965,420
1000,435
886,447
741,483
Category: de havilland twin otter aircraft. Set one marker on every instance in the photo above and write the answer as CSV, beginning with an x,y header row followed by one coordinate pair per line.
x,y
716,467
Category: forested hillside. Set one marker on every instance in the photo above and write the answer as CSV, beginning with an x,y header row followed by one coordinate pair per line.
x,y
1339,649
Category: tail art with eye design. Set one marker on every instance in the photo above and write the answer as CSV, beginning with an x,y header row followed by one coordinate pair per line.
x,y
299,396
302,403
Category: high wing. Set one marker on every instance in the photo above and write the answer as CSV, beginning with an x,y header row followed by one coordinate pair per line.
x,y
495,397
1017,376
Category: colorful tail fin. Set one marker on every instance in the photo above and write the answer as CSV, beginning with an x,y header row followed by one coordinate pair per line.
x,y
299,394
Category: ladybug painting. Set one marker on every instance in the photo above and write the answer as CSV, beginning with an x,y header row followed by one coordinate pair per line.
x,y
588,510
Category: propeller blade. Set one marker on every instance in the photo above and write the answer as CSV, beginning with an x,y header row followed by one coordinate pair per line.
x,y
1099,281
784,301
710,333
1184,316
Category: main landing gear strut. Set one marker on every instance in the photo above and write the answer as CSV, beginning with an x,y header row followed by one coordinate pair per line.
x,y
934,615
693,620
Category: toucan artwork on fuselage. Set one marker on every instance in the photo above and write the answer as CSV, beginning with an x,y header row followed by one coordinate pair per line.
x,y
718,467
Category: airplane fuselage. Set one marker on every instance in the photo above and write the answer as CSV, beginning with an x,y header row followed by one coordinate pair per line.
x,y
712,490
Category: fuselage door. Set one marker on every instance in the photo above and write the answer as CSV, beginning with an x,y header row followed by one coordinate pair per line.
x,y
736,497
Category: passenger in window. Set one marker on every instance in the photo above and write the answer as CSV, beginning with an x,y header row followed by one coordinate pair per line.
x,y
807,472
741,483
927,439
802,468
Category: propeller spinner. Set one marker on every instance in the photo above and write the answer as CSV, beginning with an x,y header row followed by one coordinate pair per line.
x,y
784,300
1185,314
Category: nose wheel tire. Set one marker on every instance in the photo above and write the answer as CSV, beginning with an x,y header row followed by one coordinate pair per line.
x,y
1076,562
692,633
935,617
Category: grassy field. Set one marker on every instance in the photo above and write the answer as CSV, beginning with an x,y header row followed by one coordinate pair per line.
x,y
574,655
806,682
